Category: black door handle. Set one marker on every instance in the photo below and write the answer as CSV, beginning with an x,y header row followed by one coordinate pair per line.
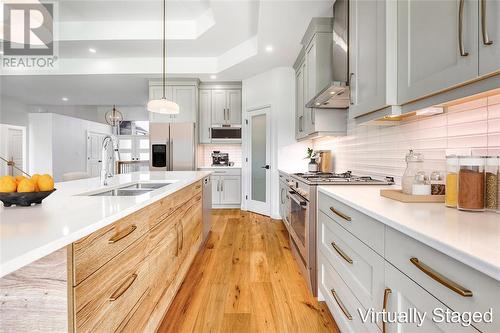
x,y
266,167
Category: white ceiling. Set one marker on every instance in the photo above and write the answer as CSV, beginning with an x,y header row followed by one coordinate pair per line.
x,y
208,37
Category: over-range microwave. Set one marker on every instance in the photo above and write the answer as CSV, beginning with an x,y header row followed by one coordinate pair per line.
x,y
228,134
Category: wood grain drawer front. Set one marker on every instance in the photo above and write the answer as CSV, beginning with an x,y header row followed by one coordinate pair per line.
x,y
359,266
104,300
191,227
368,230
93,251
445,278
406,296
341,301
163,208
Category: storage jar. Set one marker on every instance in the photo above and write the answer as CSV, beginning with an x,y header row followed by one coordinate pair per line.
x,y
450,198
491,183
471,183
414,164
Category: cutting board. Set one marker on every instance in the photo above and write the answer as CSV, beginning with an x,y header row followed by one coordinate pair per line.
x,y
403,197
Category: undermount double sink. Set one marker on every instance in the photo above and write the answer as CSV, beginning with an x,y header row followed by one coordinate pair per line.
x,y
130,190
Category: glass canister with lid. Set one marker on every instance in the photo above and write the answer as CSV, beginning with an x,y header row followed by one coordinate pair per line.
x,y
414,164
451,187
471,183
491,183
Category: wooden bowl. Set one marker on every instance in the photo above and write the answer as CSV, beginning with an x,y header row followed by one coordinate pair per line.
x,y
23,199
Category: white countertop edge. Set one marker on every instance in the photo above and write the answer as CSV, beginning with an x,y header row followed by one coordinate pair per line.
x,y
40,252
456,253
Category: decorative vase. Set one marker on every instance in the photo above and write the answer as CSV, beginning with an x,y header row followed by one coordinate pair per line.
x,y
313,166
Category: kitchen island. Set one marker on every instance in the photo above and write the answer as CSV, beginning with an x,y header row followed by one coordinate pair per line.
x,y
90,262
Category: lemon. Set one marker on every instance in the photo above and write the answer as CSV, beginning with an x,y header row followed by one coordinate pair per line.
x,y
8,184
26,185
19,178
45,183
35,178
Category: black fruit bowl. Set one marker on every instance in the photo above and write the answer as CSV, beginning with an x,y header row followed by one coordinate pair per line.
x,y
23,199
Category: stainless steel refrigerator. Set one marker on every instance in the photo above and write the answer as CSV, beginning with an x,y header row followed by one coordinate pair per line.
x,y
172,146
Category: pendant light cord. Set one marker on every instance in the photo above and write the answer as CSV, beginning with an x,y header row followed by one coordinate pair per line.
x,y
164,55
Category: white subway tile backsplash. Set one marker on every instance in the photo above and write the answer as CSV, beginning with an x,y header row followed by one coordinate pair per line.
x,y
470,127
205,153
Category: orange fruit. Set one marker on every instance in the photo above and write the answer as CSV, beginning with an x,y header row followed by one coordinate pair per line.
x,y
26,185
45,183
19,178
8,184
35,178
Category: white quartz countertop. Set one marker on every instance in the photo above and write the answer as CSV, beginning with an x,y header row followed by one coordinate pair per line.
x,y
471,238
220,167
30,233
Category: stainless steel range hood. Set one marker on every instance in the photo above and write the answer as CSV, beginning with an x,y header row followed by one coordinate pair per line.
x,y
336,94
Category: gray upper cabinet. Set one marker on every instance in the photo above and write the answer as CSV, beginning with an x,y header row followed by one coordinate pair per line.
x,y
184,93
234,107
409,54
226,107
313,72
429,52
489,36
219,105
205,115
219,113
367,56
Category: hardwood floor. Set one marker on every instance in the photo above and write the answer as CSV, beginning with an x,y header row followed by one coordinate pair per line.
x,y
246,280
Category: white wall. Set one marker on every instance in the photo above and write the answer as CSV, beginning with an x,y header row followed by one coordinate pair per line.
x,y
275,88
60,143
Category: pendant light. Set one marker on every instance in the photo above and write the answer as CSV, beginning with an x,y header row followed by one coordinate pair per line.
x,y
163,105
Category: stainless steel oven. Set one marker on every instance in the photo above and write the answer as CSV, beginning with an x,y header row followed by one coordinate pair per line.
x,y
298,217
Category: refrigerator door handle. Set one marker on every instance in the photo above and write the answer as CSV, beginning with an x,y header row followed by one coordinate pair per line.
x,y
171,154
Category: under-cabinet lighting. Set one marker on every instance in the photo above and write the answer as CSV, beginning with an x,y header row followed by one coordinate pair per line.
x,y
430,111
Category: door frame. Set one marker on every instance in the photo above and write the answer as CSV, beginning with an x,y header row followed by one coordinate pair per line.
x,y
4,129
251,205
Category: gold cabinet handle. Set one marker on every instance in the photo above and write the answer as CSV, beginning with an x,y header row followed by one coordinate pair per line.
x,y
122,234
123,288
484,24
463,53
339,213
441,279
342,253
341,305
387,292
177,240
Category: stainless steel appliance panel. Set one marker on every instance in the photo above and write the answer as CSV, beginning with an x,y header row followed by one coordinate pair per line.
x,y
181,147
207,206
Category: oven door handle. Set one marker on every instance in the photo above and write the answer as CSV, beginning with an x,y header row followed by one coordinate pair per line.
x,y
299,201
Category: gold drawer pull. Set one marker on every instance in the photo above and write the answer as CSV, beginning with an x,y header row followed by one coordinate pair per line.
x,y
341,305
342,253
342,215
123,288
441,279
387,292
198,187
122,234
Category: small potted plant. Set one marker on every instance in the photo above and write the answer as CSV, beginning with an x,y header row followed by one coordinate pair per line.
x,y
312,156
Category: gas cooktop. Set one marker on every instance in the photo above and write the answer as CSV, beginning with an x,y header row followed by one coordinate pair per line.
x,y
326,178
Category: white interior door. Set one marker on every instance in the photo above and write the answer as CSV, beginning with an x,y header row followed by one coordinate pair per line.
x,y
13,148
259,158
94,143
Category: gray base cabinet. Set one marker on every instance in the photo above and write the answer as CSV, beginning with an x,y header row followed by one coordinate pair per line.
x,y
364,264
226,187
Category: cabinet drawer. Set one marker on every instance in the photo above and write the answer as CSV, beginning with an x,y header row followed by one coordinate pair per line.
x,y
368,230
166,206
359,266
223,171
105,299
93,251
406,296
485,290
342,303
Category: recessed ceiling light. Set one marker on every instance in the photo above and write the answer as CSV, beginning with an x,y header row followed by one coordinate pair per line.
x,y
213,77
269,48
1,52
92,50
64,99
